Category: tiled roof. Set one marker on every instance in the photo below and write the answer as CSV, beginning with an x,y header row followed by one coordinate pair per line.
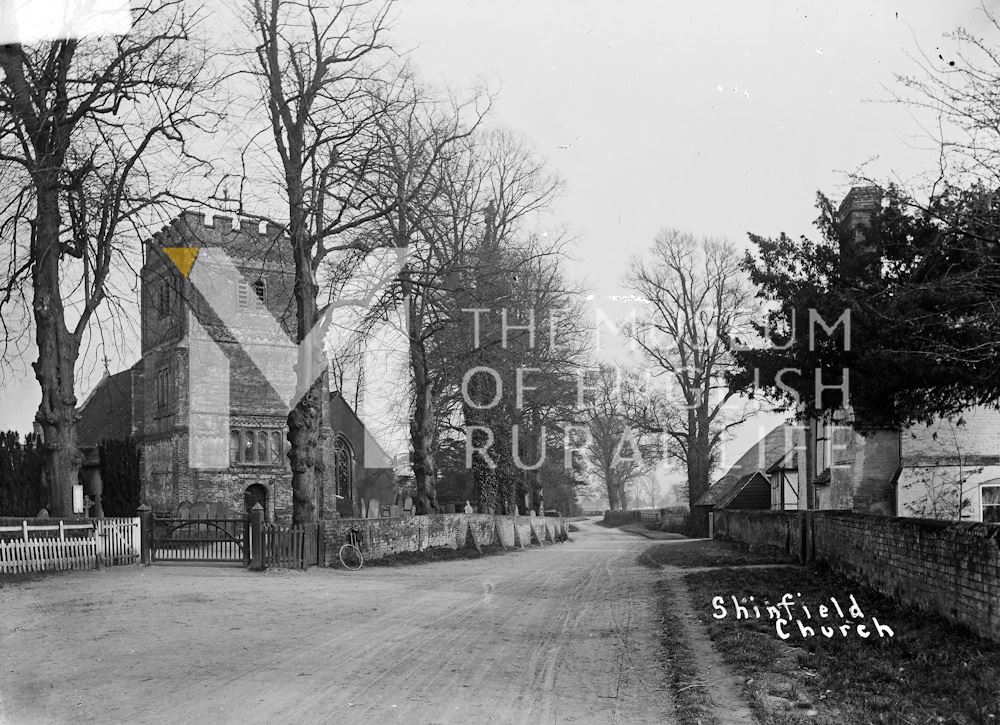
x,y
107,412
758,457
741,483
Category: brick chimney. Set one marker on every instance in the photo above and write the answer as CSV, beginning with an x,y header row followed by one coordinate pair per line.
x,y
854,216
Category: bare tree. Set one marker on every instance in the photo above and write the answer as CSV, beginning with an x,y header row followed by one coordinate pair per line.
x,y
455,260
958,88
619,445
515,281
700,300
317,65
86,128
647,489
431,172
425,168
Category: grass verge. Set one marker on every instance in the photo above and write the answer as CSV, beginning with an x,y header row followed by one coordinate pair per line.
x,y
694,554
929,671
436,553
690,703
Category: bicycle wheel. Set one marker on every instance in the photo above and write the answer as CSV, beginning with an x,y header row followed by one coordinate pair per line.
x,y
350,557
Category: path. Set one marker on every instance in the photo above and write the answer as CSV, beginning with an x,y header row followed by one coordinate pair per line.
x,y
567,633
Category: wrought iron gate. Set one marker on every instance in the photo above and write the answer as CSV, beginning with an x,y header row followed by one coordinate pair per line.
x,y
191,540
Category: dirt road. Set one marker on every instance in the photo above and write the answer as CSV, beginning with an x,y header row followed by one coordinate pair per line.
x,y
567,633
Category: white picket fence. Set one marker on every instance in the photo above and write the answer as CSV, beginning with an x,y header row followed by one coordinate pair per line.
x,y
118,541
46,547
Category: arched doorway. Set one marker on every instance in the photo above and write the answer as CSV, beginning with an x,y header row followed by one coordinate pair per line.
x,y
343,475
255,494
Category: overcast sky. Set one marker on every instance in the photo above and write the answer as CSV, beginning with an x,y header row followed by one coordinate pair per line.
x,y
717,118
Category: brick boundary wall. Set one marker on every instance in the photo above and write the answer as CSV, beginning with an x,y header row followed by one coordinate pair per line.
x,y
387,536
950,568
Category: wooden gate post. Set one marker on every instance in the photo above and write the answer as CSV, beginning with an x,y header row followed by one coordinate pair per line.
x,y
257,538
145,535
245,534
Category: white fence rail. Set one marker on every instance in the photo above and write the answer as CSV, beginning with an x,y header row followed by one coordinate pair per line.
x,y
46,547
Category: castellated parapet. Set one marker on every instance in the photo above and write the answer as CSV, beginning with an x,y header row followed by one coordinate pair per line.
x,y
246,239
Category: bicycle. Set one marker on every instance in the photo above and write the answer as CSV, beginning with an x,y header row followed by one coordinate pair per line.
x,y
350,553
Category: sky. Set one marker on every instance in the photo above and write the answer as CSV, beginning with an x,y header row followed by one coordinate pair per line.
x,y
717,118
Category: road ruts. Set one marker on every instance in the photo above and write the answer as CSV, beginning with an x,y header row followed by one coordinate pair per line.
x,y
565,633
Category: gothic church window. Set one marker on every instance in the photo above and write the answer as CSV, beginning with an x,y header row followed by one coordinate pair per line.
x,y
235,447
262,456
162,388
276,448
343,468
255,447
163,299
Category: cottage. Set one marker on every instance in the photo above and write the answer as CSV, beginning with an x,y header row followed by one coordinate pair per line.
x,y
949,469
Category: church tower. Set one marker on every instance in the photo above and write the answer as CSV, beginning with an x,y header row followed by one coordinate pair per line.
x,y
217,361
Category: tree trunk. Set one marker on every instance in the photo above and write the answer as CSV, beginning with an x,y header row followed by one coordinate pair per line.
x,y
57,353
422,424
422,433
699,471
614,497
536,485
303,435
305,418
506,472
483,476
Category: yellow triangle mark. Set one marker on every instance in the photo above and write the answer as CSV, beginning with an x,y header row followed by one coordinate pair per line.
x,y
182,257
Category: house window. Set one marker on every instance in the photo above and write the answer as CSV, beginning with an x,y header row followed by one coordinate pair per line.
x,y
162,388
822,455
991,503
260,289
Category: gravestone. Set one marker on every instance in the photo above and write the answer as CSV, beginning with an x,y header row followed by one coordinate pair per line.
x,y
408,506
184,510
395,510
372,508
385,511
199,510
